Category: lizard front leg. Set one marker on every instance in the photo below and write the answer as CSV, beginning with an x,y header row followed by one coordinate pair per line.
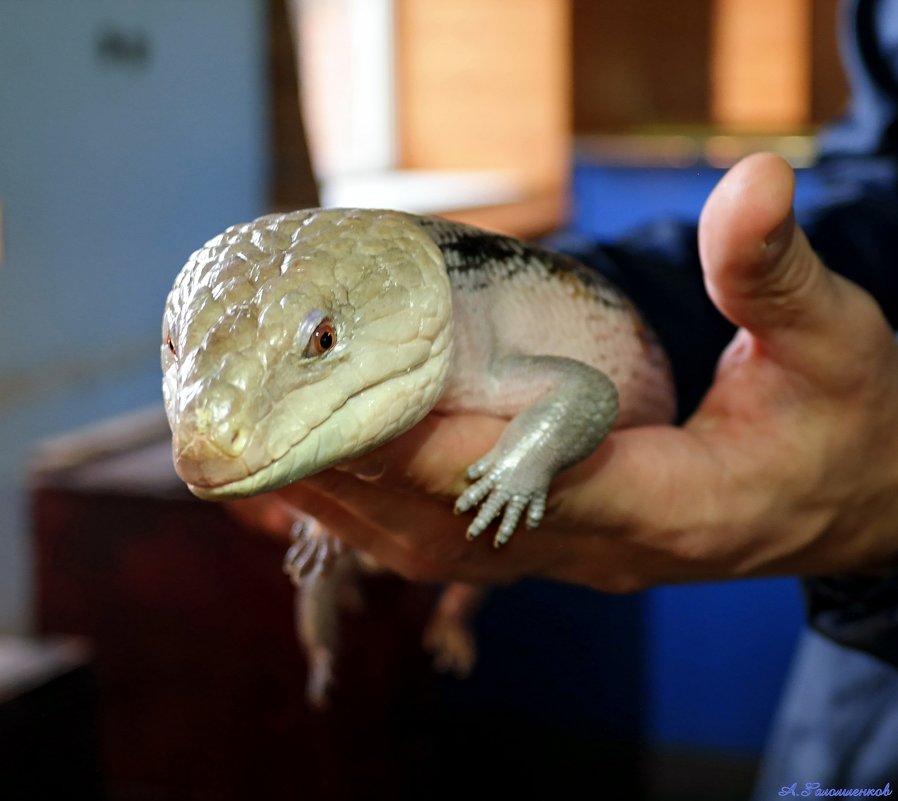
x,y
313,550
323,573
560,429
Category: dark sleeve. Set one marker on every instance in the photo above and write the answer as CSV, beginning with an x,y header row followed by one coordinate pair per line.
x,y
855,230
658,267
853,225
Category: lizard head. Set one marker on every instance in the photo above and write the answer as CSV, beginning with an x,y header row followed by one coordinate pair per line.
x,y
297,341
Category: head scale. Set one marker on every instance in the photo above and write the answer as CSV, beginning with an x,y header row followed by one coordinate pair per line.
x,y
300,340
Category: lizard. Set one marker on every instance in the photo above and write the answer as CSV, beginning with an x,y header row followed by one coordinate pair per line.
x,y
301,340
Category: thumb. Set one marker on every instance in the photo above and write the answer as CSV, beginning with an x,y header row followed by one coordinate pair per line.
x,y
760,270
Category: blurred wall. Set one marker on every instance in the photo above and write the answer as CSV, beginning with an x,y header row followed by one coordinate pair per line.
x,y
636,64
130,132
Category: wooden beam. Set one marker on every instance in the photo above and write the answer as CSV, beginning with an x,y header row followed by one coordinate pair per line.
x,y
761,64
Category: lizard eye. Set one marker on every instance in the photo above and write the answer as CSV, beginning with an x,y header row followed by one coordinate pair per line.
x,y
323,339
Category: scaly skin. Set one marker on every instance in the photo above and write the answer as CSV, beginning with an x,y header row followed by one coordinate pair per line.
x,y
248,410
417,313
423,314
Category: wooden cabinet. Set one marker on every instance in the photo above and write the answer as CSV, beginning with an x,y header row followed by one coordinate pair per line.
x,y
200,680
200,683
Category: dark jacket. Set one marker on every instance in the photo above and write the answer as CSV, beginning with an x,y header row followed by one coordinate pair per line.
x,y
853,225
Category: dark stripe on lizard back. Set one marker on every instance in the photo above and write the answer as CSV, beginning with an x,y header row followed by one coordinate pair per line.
x,y
477,259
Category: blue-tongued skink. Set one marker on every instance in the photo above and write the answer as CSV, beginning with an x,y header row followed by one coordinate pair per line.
x,y
299,341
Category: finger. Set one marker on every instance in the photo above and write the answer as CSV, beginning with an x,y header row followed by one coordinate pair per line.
x,y
433,457
762,273
415,535
265,513
356,531
759,268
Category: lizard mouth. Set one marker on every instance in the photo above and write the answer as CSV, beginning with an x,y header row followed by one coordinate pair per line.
x,y
241,488
335,439
366,417
208,475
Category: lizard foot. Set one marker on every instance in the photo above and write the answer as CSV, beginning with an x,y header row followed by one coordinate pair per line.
x,y
452,644
312,553
563,427
503,487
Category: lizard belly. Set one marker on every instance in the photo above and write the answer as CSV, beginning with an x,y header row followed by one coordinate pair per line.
x,y
552,316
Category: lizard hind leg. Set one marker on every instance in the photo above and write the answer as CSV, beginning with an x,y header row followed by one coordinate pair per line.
x,y
449,635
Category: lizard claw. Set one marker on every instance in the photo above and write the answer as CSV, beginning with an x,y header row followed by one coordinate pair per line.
x,y
479,468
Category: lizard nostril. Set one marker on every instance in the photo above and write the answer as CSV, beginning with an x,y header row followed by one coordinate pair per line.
x,y
237,441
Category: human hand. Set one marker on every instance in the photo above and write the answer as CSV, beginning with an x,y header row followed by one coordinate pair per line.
x,y
790,465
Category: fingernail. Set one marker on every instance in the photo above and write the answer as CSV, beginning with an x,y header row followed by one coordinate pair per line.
x,y
365,469
779,238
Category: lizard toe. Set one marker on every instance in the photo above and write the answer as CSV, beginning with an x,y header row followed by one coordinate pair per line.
x,y
485,515
513,511
475,494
